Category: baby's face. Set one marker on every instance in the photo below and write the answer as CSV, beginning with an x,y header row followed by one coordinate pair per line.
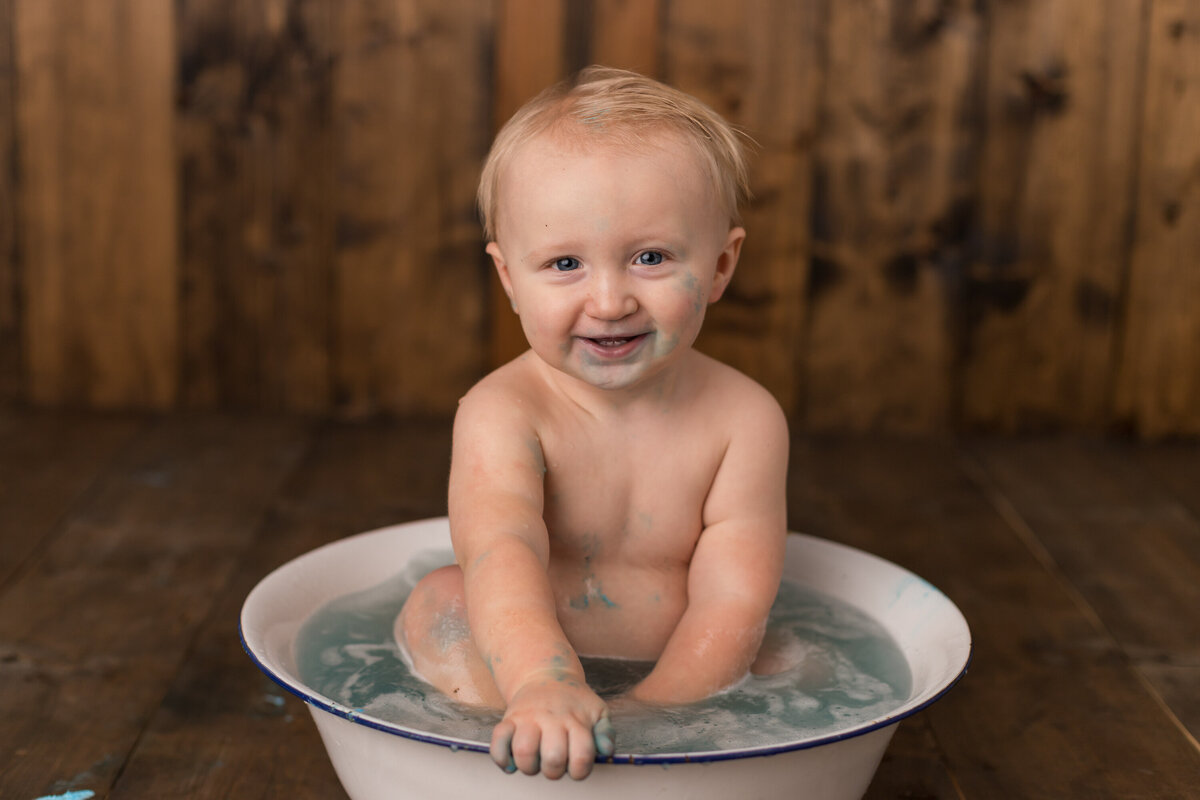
x,y
611,257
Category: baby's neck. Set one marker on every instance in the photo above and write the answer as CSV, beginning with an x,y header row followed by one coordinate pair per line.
x,y
657,394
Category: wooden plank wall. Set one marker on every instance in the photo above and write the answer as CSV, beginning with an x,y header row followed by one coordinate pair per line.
x,y
969,214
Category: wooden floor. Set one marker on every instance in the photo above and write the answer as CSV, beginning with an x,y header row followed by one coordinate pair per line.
x,y
127,545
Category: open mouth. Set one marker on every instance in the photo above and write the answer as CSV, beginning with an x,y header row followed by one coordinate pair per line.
x,y
614,346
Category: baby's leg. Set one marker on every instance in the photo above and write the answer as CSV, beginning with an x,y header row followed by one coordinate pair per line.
x,y
778,653
435,639
782,651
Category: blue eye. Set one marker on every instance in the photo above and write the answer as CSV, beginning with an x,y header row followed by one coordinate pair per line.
x,y
651,258
567,264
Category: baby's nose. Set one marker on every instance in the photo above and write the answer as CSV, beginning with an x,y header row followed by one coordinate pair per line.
x,y
610,296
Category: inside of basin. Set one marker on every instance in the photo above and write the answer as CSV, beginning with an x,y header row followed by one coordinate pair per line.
x,y
876,643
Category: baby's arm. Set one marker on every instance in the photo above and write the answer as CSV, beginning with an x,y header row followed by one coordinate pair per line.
x,y
502,546
736,567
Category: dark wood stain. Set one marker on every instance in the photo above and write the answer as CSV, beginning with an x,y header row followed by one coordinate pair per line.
x,y
137,539
324,155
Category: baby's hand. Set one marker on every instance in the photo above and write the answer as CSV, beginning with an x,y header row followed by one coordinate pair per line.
x,y
554,724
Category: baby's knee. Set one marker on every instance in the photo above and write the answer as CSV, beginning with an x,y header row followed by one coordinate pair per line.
x,y
780,652
440,588
435,612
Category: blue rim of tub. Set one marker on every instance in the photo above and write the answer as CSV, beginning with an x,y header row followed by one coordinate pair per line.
x,y
358,717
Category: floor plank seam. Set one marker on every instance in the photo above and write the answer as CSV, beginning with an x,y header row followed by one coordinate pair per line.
x,y
1161,701
81,498
977,472
262,524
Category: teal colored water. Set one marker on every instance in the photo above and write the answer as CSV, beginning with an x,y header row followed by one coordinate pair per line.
x,y
850,672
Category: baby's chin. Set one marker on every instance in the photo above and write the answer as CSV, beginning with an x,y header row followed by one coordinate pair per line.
x,y
640,371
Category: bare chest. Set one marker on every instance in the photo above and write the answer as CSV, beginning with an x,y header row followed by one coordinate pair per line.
x,y
618,499
624,517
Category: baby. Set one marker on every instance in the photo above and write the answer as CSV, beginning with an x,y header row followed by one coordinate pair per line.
x,y
613,492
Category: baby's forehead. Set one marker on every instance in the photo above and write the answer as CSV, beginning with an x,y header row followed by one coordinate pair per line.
x,y
572,139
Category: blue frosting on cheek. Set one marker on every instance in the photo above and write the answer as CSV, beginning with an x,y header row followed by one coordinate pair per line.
x,y
79,795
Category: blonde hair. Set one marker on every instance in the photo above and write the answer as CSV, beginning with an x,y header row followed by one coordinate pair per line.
x,y
624,108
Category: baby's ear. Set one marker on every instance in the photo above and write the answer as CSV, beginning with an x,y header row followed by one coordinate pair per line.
x,y
497,255
727,263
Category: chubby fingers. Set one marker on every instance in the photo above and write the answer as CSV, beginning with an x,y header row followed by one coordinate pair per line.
x,y
582,753
527,749
501,746
586,744
554,752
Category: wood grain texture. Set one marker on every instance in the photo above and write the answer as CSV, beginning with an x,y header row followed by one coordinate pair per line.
x,y
1124,541
121,672
1067,716
970,215
627,35
11,378
50,462
257,174
94,629
1055,201
894,180
410,98
758,66
97,201
225,730
913,766
1158,388
530,56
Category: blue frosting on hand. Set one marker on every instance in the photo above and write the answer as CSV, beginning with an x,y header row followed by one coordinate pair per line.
x,y
605,737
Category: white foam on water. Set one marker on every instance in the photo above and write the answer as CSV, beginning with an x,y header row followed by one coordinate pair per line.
x,y
848,672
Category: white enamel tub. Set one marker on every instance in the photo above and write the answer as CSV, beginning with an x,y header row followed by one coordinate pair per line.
x,y
378,760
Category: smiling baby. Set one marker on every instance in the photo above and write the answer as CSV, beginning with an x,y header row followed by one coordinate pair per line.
x,y
613,491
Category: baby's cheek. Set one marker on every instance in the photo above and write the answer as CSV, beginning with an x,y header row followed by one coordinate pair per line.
x,y
665,343
693,291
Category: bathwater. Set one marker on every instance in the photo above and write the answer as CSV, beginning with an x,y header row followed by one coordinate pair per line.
x,y
849,671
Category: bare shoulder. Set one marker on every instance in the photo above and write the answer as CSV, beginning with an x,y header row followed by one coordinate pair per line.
x,y
496,467
749,491
496,430
496,458
744,404
504,399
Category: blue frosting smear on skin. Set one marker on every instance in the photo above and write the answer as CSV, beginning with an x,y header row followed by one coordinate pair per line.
x,y
80,795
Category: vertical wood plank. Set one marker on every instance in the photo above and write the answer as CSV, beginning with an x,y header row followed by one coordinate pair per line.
x,y
410,100
11,383
97,201
529,57
893,185
256,155
1043,293
1158,386
627,34
757,64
